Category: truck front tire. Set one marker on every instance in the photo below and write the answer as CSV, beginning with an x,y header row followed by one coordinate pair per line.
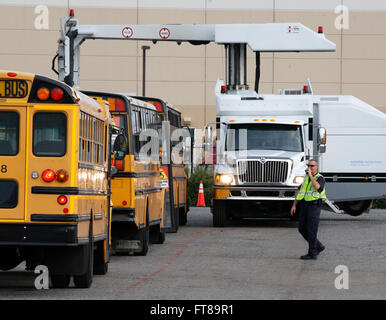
x,y
219,215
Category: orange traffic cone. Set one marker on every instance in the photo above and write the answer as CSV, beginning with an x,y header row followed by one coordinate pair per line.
x,y
201,198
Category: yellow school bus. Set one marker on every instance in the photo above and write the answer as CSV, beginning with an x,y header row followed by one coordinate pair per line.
x,y
136,189
54,160
177,191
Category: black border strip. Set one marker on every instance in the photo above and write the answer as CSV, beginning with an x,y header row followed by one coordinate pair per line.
x,y
60,217
180,178
147,191
123,210
98,216
67,191
131,174
92,167
155,222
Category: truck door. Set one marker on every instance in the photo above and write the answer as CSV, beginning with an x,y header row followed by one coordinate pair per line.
x,y
13,122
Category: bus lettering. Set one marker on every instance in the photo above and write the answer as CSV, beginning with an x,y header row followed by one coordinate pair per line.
x,y
13,88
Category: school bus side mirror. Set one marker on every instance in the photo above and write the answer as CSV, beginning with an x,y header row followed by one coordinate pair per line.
x,y
120,147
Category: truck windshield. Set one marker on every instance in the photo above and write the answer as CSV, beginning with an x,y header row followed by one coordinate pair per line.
x,y
248,136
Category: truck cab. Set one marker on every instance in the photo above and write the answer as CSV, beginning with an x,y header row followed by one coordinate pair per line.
x,y
262,149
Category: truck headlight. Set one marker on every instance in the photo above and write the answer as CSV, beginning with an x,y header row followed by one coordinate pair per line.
x,y
299,180
224,179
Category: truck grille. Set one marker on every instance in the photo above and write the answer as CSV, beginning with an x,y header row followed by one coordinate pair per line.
x,y
258,171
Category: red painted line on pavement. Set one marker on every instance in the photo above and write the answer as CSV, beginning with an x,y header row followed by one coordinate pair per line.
x,y
180,246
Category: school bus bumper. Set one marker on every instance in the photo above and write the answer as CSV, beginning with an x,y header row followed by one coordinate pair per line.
x,y
43,234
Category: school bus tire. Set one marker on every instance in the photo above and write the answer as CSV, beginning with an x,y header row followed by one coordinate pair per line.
x,y
157,236
161,238
60,280
100,265
144,235
85,280
183,216
9,258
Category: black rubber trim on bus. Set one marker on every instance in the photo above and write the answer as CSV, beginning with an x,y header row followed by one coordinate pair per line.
x,y
38,234
123,210
147,191
67,191
41,81
60,217
92,167
180,178
132,174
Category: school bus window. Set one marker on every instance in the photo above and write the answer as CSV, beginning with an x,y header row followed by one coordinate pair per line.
x,y
91,139
8,194
9,133
105,144
136,120
49,134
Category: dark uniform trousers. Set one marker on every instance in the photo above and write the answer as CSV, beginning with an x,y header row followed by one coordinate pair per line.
x,y
309,223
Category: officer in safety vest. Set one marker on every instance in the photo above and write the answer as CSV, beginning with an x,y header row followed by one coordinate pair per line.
x,y
311,196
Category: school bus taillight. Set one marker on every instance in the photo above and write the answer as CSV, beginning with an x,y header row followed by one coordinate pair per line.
x,y
62,200
120,105
61,175
48,175
57,94
119,165
43,94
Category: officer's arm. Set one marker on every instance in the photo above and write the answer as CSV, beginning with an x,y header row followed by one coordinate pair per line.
x,y
293,208
321,183
314,182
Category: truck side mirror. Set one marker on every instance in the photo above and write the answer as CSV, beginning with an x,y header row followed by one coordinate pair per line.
x,y
322,140
208,136
120,147
188,145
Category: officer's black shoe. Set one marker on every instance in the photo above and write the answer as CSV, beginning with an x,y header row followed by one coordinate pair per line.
x,y
309,257
321,249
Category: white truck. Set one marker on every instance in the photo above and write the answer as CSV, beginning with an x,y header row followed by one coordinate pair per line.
x,y
264,141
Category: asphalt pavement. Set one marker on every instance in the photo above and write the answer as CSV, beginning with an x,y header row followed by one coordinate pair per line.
x,y
251,259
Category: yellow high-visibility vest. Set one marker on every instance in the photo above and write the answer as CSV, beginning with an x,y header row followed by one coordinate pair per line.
x,y
308,192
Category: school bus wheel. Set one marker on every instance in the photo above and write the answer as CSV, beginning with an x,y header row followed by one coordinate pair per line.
x,y
183,216
144,236
60,280
85,280
156,235
100,265
9,258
